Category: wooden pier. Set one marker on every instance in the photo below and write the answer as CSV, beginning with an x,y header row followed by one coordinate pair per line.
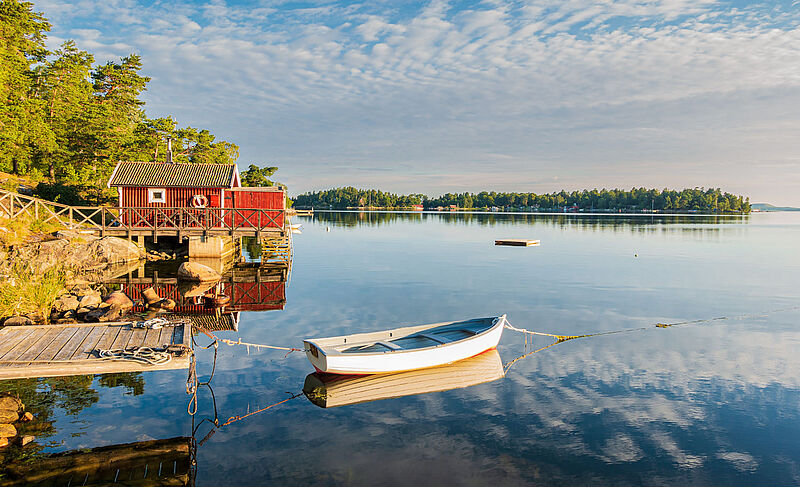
x,y
59,350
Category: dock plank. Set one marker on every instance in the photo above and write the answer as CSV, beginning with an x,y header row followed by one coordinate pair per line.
x,y
73,344
89,345
36,347
51,349
14,344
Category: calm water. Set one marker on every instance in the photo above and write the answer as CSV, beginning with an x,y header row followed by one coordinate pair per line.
x,y
702,404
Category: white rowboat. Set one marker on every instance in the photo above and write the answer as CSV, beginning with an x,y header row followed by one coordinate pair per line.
x,y
409,348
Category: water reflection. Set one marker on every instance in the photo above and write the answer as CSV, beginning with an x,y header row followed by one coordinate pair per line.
x,y
331,390
558,220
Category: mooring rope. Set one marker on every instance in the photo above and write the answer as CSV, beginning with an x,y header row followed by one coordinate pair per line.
x,y
562,338
234,419
257,346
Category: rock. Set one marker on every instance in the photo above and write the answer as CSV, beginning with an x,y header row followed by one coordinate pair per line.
x,y
151,296
8,415
78,251
167,304
81,289
3,442
17,321
194,289
120,299
7,431
10,402
82,312
91,300
66,302
35,317
194,271
104,315
27,417
25,439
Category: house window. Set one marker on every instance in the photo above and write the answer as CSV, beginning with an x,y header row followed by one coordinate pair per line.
x,y
155,195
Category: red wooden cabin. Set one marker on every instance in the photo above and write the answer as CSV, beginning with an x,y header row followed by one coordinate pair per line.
x,y
194,196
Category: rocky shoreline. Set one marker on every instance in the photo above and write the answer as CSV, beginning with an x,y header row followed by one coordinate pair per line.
x,y
85,260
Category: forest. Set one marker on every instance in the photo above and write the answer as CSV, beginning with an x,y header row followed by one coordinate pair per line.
x,y
702,200
65,121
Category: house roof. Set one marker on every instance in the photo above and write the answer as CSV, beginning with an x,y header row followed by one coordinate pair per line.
x,y
171,175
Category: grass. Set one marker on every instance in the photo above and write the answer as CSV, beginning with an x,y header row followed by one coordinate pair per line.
x,y
17,231
25,292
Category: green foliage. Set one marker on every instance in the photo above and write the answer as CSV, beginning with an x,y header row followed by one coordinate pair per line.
x,y
26,292
65,118
636,199
351,197
258,177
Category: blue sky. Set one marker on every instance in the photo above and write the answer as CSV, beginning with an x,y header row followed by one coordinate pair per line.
x,y
439,97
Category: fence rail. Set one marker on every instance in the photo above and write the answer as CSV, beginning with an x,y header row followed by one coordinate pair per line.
x,y
107,220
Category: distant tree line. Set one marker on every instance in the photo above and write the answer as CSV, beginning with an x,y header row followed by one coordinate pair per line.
x,y
350,197
702,200
66,122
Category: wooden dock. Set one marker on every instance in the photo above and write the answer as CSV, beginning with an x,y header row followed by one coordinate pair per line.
x,y
59,350
517,242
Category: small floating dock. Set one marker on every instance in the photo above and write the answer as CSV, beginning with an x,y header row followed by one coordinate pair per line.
x,y
517,242
60,350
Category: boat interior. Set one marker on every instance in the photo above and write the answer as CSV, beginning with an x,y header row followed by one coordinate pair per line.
x,y
429,337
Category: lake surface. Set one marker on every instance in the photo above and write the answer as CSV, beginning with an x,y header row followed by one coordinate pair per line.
x,y
699,404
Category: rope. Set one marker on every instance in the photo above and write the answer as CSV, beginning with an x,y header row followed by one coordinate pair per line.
x,y
257,346
234,419
144,355
562,338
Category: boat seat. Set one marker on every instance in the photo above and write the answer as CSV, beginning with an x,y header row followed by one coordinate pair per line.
x,y
433,337
389,345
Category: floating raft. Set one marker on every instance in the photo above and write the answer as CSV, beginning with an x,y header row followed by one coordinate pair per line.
x,y
517,242
59,350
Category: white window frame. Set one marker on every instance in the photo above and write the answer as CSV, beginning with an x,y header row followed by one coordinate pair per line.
x,y
151,195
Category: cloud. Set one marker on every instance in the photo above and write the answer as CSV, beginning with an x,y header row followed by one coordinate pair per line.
x,y
444,84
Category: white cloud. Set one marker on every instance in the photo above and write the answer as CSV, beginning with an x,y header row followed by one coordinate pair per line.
x,y
444,85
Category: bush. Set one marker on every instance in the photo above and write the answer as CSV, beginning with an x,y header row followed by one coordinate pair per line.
x,y
26,292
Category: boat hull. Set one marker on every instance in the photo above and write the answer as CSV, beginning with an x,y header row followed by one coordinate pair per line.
x,y
403,360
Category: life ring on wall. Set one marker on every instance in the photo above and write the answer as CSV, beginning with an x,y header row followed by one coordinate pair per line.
x,y
199,201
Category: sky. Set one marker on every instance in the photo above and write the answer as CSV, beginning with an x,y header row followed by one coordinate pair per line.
x,y
436,97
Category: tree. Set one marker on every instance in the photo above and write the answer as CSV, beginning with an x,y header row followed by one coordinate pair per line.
x,y
22,125
255,176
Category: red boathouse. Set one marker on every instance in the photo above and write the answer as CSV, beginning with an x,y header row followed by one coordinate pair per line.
x,y
164,195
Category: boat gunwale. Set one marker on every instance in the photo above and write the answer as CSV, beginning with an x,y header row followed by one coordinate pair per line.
x,y
496,321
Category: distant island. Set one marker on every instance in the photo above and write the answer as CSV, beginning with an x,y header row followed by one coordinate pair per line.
x,y
768,207
635,200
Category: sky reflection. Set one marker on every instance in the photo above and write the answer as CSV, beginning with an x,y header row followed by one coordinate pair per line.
x,y
697,404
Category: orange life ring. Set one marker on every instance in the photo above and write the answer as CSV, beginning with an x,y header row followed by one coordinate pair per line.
x,y
199,201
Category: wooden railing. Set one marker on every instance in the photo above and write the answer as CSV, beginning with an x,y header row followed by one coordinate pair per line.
x,y
104,219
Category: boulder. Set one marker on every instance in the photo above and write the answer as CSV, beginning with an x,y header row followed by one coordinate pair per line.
x,y
8,415
104,315
17,321
66,302
79,251
90,300
27,417
194,271
150,296
166,304
120,299
3,442
7,431
10,402
25,439
36,317
82,312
